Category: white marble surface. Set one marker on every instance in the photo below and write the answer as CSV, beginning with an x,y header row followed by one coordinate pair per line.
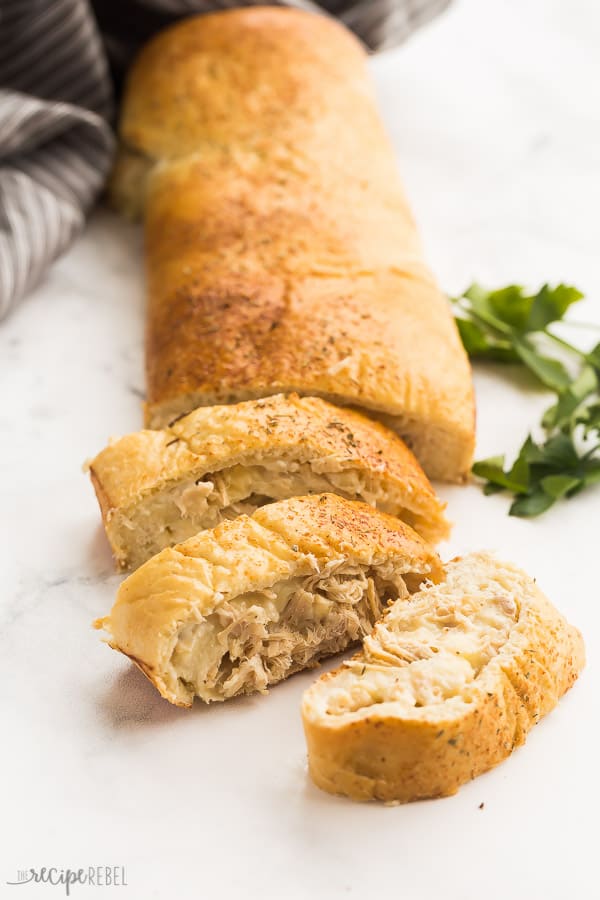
x,y
494,111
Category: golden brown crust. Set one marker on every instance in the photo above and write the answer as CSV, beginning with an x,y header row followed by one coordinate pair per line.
x,y
401,755
283,540
288,429
281,252
325,525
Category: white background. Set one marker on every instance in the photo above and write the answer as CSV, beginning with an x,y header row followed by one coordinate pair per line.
x,y
495,113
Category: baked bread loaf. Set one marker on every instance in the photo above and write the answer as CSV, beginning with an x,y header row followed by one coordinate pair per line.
x,y
157,488
281,253
447,685
235,609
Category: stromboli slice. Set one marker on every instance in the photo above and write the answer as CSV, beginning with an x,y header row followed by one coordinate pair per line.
x,y
157,488
446,686
258,598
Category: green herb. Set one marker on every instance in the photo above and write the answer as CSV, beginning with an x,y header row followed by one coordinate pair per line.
x,y
513,326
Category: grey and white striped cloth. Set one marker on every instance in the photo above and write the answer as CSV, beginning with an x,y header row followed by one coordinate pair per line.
x,y
61,62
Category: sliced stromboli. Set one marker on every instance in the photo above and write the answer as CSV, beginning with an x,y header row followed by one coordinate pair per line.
x,y
447,685
258,598
157,488
281,253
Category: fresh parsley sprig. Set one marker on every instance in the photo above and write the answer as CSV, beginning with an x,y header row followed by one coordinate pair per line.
x,y
511,325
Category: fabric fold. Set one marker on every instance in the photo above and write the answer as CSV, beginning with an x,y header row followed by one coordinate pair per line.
x,y
59,60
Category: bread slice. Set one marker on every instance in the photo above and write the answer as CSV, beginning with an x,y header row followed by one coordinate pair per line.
x,y
236,609
157,488
447,685
281,252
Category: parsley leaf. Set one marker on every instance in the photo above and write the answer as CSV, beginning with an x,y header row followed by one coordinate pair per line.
x,y
571,399
550,304
532,504
589,418
479,343
512,306
593,358
512,325
551,372
515,479
557,486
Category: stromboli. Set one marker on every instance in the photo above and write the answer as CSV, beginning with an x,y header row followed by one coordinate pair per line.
x,y
281,254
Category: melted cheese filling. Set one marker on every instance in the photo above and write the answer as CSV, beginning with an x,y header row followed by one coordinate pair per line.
x,y
261,637
179,511
424,652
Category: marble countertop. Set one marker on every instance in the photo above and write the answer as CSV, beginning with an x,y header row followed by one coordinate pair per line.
x,y
495,113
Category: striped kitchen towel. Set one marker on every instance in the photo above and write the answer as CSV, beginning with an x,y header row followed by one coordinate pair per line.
x,y
60,61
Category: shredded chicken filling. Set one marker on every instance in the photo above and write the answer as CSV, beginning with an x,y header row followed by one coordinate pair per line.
x,y
261,637
178,512
426,651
